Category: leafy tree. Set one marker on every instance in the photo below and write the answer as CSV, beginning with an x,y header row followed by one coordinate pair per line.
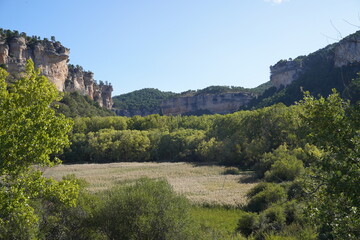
x,y
332,182
30,133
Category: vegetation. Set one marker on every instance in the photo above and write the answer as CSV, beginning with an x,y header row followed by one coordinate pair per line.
x,y
30,133
305,157
305,154
147,99
75,105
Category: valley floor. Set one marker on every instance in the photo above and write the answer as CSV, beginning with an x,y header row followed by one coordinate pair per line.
x,y
201,184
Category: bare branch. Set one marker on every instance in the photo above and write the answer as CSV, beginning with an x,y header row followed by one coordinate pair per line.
x,y
358,26
339,33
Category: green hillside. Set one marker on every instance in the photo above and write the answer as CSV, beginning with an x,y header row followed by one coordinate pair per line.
x,y
75,105
145,99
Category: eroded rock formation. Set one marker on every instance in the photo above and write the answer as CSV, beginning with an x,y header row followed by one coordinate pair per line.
x,y
285,72
347,51
84,83
52,60
210,103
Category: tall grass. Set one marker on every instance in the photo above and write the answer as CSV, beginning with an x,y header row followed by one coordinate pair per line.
x,y
204,184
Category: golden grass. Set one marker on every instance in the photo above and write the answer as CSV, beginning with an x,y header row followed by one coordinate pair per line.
x,y
204,184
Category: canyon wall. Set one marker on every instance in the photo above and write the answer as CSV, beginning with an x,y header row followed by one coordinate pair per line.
x,y
208,103
52,60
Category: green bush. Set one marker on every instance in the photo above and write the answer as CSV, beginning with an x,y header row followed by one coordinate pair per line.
x,y
148,209
248,223
263,195
273,219
62,222
284,170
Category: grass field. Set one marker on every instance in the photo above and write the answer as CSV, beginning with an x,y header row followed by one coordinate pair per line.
x,y
201,184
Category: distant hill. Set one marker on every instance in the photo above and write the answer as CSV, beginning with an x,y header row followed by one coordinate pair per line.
x,y
150,101
140,102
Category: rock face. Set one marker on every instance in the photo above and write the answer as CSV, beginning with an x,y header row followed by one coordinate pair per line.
x,y
52,60
285,72
83,82
209,103
347,51
50,57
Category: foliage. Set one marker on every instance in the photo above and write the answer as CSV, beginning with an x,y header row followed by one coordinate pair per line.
x,y
145,99
332,186
59,221
282,164
180,145
149,209
265,194
75,105
30,132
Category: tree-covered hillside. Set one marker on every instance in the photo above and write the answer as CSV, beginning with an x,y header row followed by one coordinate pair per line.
x,y
74,104
147,99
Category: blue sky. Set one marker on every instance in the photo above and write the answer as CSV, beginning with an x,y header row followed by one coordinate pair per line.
x,y
177,45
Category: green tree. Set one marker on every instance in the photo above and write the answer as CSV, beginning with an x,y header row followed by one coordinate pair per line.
x,y
30,133
333,181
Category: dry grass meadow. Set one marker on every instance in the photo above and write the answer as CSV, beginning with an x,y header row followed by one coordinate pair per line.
x,y
201,184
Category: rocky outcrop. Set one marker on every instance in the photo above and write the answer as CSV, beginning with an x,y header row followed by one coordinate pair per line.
x,y
343,53
347,51
285,72
50,57
52,60
83,82
210,103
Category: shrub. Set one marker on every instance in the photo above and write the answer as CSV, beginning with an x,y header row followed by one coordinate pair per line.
x,y
284,170
248,223
263,195
149,209
231,171
273,219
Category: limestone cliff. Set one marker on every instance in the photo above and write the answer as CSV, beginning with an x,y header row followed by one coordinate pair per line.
x,y
52,60
342,53
210,103
347,51
83,82
285,72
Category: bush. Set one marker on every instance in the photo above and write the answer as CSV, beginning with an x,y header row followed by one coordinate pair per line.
x,y
231,171
284,170
248,223
149,209
263,195
273,219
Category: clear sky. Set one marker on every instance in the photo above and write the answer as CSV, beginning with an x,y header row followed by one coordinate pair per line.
x,y
177,45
